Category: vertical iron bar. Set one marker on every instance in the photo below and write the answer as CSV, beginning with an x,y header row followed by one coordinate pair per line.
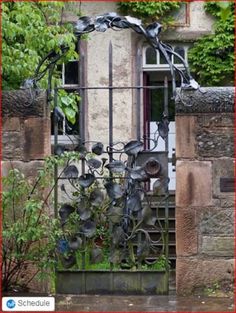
x,y
110,57
55,120
82,122
166,112
138,93
82,95
110,102
138,120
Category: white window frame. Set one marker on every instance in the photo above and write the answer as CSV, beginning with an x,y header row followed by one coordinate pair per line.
x,y
164,67
65,139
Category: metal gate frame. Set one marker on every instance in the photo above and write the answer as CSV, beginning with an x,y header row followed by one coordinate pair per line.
x,y
156,166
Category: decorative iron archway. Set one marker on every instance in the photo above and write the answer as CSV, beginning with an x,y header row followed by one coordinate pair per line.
x,y
110,196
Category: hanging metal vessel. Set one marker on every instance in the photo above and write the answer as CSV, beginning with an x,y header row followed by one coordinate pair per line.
x,y
152,167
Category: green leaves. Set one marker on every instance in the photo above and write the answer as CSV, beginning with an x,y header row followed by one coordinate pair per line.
x,y
69,103
148,9
29,31
29,234
212,56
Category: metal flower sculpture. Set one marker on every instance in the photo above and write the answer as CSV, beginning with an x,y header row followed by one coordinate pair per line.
x,y
112,20
111,196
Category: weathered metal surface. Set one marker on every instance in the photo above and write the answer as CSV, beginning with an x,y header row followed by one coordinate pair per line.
x,y
116,282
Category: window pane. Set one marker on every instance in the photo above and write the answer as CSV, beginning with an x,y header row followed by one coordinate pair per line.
x,y
181,52
151,57
71,73
163,59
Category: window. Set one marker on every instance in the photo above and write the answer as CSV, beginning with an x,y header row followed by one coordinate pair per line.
x,y
70,79
154,59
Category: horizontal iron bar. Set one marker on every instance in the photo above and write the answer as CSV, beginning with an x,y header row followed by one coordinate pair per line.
x,y
112,87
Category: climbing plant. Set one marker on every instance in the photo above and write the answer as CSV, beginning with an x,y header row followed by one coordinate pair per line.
x,y
149,9
30,30
212,56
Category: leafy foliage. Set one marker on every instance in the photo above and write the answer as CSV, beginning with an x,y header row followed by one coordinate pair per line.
x,y
212,56
68,102
148,9
30,233
30,30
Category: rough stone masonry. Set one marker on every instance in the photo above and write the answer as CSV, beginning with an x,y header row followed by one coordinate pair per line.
x,y
204,207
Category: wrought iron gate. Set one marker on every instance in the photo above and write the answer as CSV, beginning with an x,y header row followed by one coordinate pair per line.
x,y
108,211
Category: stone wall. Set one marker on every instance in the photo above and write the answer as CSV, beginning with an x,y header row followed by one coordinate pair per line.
x,y
26,138
204,211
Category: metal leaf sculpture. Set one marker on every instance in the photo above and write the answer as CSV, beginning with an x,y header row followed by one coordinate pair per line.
x,y
133,147
65,211
85,24
75,243
94,163
84,213
116,167
125,212
134,202
88,228
114,190
68,261
83,210
97,148
138,173
115,214
160,186
86,180
163,127
96,197
71,172
151,33
118,235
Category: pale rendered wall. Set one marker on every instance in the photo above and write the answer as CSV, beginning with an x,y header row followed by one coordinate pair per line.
x,y
125,43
